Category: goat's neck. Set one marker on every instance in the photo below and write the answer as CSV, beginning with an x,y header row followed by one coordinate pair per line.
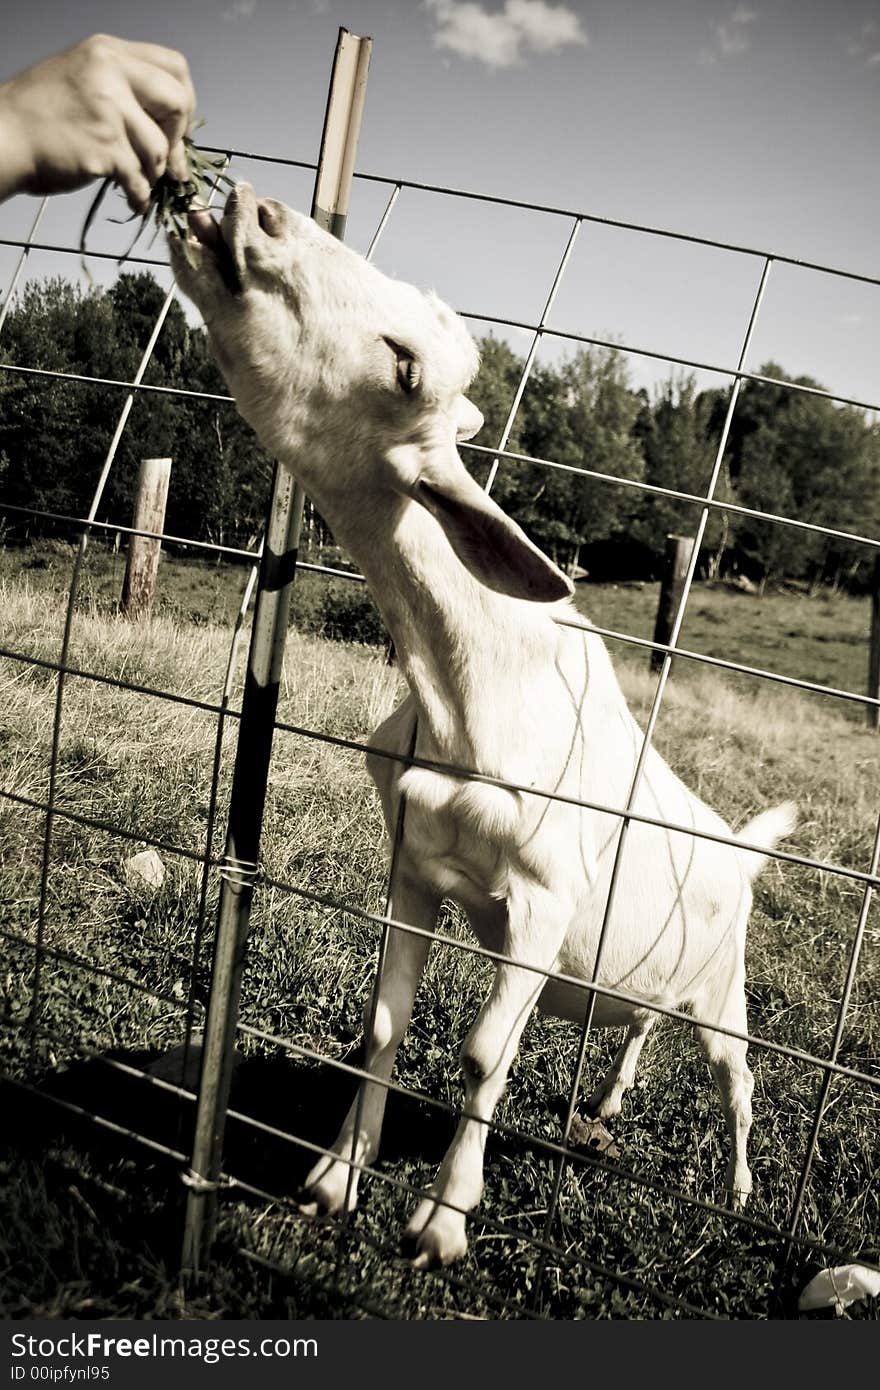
x,y
466,651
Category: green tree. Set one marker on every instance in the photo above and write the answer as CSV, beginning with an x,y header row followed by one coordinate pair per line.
x,y
55,434
580,414
679,453
52,430
493,391
789,452
797,454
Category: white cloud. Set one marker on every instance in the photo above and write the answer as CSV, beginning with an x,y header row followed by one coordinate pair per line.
x,y
866,44
732,36
502,38
239,10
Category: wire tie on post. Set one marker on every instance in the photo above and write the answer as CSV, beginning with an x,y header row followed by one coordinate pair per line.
x,y
194,1180
238,873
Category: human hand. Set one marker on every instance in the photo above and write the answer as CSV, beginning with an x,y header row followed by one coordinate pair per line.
x,y
106,108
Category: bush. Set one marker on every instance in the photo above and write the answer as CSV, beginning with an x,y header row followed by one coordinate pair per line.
x,y
341,610
307,603
350,615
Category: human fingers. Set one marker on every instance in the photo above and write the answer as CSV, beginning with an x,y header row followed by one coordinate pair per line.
x,y
168,101
148,141
127,172
173,62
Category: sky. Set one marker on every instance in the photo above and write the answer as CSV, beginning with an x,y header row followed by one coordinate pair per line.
x,y
747,123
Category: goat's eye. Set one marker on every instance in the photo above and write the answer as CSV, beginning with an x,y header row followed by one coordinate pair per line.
x,y
408,371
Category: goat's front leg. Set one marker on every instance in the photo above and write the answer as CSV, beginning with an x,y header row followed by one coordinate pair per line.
x,y
536,926
328,1182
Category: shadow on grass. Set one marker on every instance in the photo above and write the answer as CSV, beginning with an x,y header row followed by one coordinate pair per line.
x,y
303,1102
104,1214
94,1217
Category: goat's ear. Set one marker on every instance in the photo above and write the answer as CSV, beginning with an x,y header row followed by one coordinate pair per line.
x,y
468,420
483,537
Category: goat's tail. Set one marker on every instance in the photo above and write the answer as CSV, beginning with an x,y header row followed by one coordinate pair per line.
x,y
766,830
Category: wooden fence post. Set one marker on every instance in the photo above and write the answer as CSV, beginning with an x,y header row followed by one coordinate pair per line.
x,y
675,567
139,585
874,654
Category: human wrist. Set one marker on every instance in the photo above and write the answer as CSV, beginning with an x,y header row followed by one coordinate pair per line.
x,y
16,162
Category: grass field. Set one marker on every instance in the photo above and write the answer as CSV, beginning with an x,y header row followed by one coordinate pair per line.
x,y
90,1221
821,639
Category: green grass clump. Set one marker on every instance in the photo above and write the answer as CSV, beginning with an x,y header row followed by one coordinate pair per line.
x,y
171,199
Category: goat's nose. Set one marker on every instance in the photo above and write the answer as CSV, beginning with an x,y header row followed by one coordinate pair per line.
x,y
239,192
269,217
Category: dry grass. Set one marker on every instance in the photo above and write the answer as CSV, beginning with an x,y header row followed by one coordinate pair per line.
x,y
144,765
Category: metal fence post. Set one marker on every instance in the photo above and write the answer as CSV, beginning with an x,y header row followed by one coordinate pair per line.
x,y
259,704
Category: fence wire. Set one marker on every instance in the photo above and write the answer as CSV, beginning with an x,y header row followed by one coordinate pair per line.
x,y
543,1241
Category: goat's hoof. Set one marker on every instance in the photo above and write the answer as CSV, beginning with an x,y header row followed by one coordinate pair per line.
x,y
738,1197
435,1236
738,1190
326,1191
604,1103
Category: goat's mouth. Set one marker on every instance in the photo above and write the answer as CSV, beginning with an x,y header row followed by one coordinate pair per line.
x,y
246,238
222,244
211,237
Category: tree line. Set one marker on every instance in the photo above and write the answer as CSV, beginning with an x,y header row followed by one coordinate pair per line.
x,y
789,452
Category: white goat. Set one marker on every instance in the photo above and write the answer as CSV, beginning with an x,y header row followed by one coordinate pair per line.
x,y
355,381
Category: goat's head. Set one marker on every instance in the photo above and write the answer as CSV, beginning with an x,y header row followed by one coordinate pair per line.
x,y
353,379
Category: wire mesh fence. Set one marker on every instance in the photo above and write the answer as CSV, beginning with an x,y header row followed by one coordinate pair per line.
x,y
564,1230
